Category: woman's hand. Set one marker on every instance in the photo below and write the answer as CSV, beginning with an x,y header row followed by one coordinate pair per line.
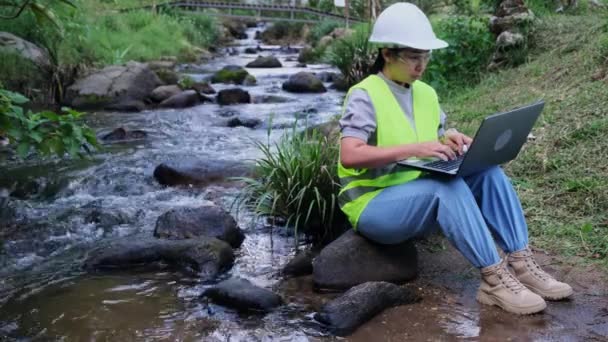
x,y
456,140
433,149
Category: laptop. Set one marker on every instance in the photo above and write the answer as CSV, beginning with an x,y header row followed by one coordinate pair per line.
x,y
498,140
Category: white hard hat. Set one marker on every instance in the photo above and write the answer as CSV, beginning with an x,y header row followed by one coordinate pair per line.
x,y
404,24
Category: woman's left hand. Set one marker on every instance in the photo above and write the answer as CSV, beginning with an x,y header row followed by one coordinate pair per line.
x,y
457,140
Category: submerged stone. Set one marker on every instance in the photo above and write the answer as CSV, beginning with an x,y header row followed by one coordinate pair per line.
x,y
242,295
346,313
209,221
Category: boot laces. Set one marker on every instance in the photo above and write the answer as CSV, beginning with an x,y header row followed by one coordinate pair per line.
x,y
533,266
509,279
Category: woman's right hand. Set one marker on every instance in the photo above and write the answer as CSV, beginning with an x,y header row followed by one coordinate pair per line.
x,y
433,149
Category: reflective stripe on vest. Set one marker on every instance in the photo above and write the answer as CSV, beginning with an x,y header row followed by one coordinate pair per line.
x,y
360,186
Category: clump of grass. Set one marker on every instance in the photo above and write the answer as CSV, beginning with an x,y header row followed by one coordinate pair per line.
x,y
560,175
296,181
353,55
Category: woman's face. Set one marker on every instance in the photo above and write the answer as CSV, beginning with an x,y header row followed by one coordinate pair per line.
x,y
406,65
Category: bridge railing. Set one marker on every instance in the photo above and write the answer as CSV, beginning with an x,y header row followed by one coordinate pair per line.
x,y
192,4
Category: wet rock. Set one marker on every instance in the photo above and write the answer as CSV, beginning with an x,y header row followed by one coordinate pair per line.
x,y
304,82
107,218
346,313
242,295
206,257
113,84
230,74
208,221
351,260
162,93
244,122
301,65
251,51
233,96
121,134
198,173
9,43
265,62
126,106
258,35
300,265
203,88
187,98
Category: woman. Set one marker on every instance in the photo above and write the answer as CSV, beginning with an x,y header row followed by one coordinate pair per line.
x,y
391,116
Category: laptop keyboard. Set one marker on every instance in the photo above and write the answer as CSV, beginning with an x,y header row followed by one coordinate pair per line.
x,y
446,165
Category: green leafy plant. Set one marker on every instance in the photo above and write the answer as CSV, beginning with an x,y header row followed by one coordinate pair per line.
x,y
296,181
470,47
46,132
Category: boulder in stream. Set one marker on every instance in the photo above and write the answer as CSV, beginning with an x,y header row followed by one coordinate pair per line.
x,y
230,74
112,85
304,82
243,122
206,257
346,313
233,96
198,173
352,259
242,295
209,221
186,98
265,62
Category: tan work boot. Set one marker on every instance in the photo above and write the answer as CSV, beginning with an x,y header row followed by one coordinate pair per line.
x,y
500,287
529,273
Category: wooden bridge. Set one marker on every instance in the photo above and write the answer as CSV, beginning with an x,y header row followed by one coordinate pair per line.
x,y
258,12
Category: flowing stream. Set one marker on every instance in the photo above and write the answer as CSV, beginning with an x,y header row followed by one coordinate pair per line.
x,y
44,294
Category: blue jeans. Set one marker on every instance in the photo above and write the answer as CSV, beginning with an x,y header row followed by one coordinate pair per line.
x,y
468,210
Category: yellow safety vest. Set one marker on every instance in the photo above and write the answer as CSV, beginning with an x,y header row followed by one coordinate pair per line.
x,y
360,186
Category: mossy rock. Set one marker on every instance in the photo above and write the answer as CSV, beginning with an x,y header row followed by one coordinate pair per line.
x,y
230,74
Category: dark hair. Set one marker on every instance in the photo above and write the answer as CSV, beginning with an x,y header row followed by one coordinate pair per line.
x,y
378,64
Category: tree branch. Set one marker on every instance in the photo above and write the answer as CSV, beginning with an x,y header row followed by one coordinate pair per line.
x,y
19,11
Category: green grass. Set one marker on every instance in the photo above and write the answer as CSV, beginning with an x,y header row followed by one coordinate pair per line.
x,y
95,34
561,175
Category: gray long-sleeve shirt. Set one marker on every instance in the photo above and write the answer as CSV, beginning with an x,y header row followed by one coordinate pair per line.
x,y
359,117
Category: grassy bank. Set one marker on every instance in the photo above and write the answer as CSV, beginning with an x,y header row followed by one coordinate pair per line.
x,y
561,174
95,34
